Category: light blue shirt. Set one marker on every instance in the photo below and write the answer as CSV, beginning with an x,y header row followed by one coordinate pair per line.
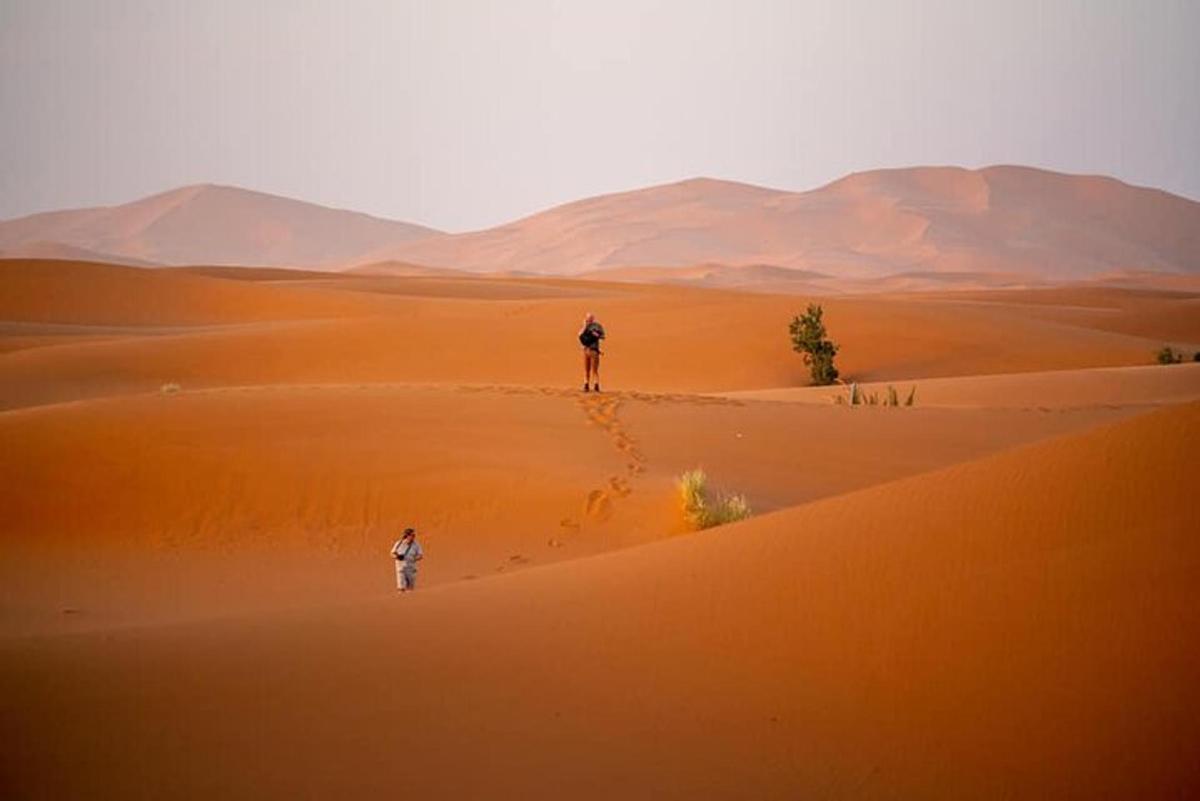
x,y
409,554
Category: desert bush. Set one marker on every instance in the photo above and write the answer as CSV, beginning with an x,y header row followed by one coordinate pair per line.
x,y
1168,355
856,397
809,339
169,389
700,510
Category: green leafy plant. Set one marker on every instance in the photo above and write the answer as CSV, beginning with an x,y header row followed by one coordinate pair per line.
x,y
1168,355
702,511
809,339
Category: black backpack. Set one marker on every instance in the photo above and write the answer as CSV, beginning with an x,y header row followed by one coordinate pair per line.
x,y
589,337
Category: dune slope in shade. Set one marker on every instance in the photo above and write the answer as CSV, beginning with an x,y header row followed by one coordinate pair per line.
x,y
1021,626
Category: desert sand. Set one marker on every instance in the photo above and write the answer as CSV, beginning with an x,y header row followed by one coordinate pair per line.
x,y
989,594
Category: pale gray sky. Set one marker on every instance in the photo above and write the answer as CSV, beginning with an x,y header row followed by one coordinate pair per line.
x,y
463,113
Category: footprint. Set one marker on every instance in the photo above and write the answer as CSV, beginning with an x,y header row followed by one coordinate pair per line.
x,y
569,523
599,505
620,486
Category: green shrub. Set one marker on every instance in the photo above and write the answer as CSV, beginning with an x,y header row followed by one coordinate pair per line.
x,y
1168,355
856,397
700,511
808,339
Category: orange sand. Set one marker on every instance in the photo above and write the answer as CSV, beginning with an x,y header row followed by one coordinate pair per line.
x,y
991,594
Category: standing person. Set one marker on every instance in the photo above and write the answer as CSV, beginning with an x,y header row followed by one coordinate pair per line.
x,y
407,552
590,336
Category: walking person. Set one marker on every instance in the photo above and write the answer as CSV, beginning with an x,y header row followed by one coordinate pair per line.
x,y
407,552
590,336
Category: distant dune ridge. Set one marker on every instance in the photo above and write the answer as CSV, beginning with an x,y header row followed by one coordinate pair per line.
x,y
1013,220
1000,225
209,224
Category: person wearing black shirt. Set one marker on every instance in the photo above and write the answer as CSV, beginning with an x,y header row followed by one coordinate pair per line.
x,y
590,337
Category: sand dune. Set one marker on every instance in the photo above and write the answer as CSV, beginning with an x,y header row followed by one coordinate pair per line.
x,y
241,480
871,644
1061,389
1170,315
402,270
60,252
511,331
980,596
85,293
1001,225
999,220
208,224
784,280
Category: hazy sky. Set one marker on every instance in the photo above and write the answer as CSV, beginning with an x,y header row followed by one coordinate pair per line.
x,y
463,114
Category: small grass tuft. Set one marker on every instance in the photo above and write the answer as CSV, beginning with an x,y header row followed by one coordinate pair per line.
x,y
169,389
700,511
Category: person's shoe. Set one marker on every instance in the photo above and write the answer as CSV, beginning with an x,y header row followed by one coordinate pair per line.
x,y
585,386
597,386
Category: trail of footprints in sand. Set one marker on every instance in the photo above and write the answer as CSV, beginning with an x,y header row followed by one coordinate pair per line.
x,y
601,412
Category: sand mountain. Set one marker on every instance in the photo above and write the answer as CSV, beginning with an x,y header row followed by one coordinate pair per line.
x,y
1015,223
207,224
1012,220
